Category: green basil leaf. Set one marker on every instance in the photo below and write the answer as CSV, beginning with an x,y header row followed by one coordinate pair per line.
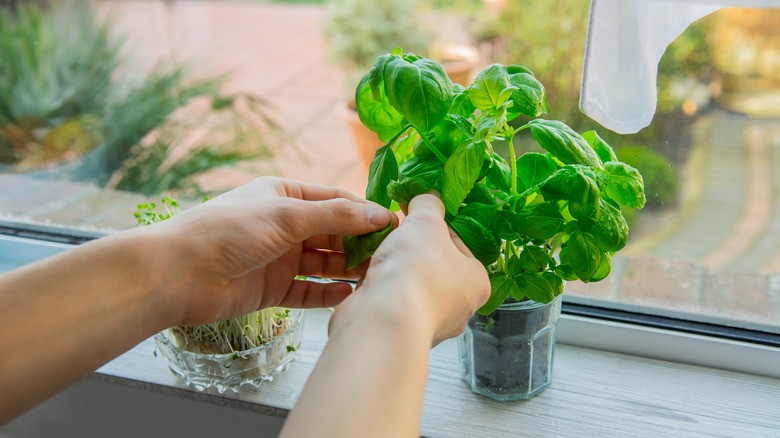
x,y
491,88
486,162
529,98
608,226
460,173
565,272
576,184
485,214
584,255
506,225
564,269
480,193
417,165
411,57
555,282
461,102
533,168
420,90
486,127
499,290
480,241
404,145
499,174
358,249
382,170
603,150
534,259
448,135
625,184
407,188
378,115
538,221
513,266
515,69
604,268
375,78
564,143
535,287
462,123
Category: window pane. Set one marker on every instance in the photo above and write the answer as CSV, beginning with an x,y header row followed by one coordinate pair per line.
x,y
105,108
708,241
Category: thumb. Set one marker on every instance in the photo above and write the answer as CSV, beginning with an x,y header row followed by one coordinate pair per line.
x,y
344,217
428,203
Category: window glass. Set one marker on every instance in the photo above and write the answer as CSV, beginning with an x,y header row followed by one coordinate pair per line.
x,y
107,104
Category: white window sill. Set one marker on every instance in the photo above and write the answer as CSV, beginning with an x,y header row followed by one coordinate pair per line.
x,y
593,393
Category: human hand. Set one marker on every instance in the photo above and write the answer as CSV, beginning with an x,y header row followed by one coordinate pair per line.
x,y
241,251
421,274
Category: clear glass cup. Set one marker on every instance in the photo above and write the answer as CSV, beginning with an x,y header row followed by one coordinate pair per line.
x,y
508,354
234,370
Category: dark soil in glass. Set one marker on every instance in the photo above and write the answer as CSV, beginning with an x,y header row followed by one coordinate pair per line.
x,y
507,355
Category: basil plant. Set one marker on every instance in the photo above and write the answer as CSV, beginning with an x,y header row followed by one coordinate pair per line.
x,y
534,220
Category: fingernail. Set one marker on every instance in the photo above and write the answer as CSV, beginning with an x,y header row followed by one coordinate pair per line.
x,y
434,193
377,215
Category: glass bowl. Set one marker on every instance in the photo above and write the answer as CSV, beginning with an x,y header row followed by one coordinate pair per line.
x,y
234,370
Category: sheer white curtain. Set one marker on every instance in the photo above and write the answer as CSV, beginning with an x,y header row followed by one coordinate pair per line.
x,y
626,39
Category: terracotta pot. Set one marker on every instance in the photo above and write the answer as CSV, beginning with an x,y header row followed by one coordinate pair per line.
x,y
458,60
366,140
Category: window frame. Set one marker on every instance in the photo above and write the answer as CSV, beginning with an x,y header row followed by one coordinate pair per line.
x,y
585,325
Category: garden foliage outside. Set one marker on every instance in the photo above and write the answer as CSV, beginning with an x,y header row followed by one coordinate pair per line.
x,y
71,107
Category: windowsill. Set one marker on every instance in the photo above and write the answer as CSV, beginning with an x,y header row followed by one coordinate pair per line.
x,y
593,393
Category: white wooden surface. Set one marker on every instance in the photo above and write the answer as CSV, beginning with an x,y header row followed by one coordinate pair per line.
x,y
593,393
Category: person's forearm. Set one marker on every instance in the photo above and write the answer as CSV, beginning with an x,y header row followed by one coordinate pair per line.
x,y
370,381
64,317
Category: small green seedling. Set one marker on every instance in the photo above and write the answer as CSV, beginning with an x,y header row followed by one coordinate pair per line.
x,y
534,220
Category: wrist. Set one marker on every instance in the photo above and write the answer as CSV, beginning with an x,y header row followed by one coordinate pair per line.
x,y
395,307
154,252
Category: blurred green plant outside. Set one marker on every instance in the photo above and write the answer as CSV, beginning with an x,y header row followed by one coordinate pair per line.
x,y
71,107
358,31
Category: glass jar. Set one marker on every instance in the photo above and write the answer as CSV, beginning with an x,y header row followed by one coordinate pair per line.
x,y
508,354
231,371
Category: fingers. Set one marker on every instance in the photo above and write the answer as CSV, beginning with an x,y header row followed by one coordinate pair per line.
x,y
310,295
330,242
343,217
314,192
327,264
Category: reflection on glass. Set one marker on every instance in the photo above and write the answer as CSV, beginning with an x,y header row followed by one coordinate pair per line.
x,y
106,105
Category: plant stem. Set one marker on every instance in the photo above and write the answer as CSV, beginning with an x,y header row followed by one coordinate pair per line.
x,y
434,149
501,262
556,241
513,164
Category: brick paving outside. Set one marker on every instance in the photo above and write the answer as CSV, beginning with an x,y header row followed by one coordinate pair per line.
x,y
277,52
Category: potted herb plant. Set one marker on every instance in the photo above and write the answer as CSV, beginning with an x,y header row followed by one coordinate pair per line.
x,y
534,221
246,350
